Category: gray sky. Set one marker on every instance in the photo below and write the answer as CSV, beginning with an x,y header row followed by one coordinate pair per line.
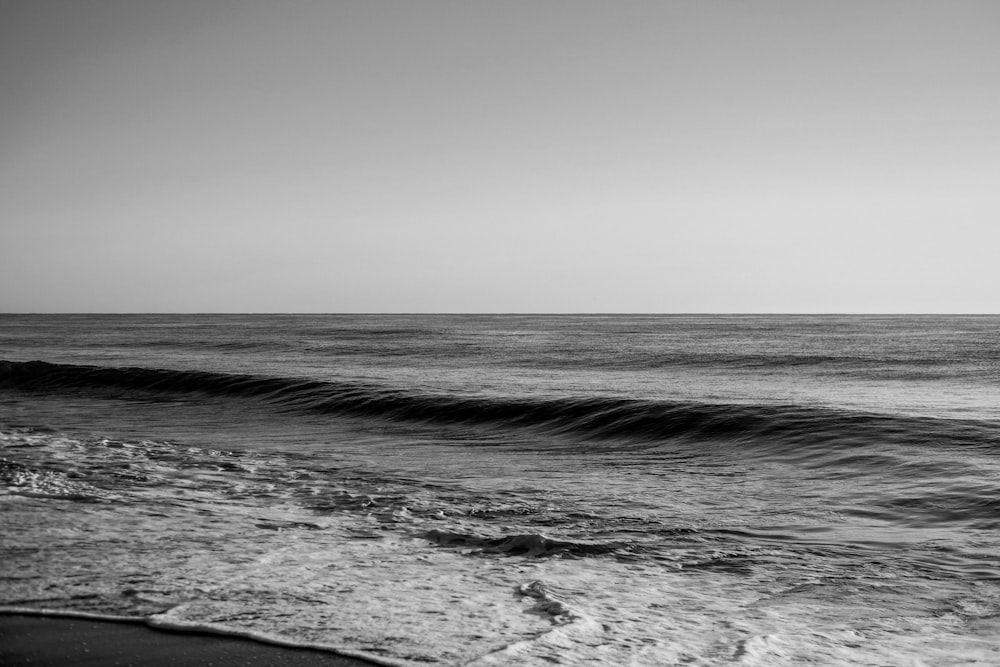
x,y
504,156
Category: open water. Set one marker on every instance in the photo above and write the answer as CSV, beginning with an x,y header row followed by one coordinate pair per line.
x,y
514,490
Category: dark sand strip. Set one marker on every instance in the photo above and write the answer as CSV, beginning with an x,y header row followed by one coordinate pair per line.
x,y
42,641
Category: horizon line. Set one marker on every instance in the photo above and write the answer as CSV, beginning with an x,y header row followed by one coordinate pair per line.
x,y
519,313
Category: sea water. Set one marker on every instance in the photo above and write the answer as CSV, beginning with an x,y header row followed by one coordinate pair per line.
x,y
501,490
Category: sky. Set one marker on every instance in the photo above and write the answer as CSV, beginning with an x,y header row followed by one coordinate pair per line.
x,y
552,156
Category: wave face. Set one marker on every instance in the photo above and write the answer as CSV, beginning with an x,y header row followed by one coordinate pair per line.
x,y
780,426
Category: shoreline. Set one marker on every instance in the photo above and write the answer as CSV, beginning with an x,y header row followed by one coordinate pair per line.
x,y
52,639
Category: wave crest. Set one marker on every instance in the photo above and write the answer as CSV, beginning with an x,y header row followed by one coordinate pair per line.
x,y
780,426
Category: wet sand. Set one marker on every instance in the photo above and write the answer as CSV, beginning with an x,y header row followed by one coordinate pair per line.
x,y
48,641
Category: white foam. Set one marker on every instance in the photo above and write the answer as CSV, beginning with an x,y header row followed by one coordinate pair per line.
x,y
165,622
50,484
570,629
68,613
190,544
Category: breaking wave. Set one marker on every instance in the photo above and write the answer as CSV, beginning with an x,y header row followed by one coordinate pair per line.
x,y
589,417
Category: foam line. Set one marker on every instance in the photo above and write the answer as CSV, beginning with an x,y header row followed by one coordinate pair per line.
x,y
158,623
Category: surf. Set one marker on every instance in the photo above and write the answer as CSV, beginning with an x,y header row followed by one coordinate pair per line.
x,y
777,427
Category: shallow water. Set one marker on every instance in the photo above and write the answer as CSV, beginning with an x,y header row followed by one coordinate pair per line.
x,y
515,490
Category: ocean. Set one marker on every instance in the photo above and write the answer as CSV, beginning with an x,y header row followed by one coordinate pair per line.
x,y
513,490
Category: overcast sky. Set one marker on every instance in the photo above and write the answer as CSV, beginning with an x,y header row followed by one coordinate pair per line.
x,y
503,156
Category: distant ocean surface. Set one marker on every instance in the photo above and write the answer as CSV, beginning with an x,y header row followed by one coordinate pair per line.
x,y
514,490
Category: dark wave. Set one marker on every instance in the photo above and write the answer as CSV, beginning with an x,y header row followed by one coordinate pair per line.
x,y
528,544
594,417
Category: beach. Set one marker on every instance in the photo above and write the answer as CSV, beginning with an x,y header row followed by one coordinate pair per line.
x,y
48,641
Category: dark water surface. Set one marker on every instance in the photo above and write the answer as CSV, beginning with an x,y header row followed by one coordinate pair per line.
x,y
771,490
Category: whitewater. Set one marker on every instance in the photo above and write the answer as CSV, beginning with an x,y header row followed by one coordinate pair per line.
x,y
513,490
